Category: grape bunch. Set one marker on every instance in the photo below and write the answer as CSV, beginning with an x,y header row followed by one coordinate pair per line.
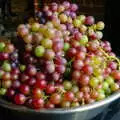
x,y
63,61
9,65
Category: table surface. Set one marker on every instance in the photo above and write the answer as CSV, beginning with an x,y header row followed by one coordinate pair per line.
x,y
111,113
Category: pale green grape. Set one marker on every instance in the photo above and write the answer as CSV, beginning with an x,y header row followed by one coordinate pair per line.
x,y
94,82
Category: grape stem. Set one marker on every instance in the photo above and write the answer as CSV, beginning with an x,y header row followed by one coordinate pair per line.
x,y
70,62
110,57
60,90
45,97
83,102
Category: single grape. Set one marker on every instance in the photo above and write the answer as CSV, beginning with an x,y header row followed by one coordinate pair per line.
x,y
6,67
77,23
94,82
19,99
55,98
37,93
114,87
105,85
69,96
37,103
49,54
25,89
84,80
3,91
75,89
67,85
35,27
78,64
100,25
47,43
84,40
39,51
50,89
66,46
101,96
75,104
109,80
76,75
2,46
79,95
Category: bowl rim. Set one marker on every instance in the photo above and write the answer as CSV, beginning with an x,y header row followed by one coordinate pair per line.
x,y
83,108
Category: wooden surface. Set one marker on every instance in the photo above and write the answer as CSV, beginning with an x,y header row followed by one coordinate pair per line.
x,y
89,7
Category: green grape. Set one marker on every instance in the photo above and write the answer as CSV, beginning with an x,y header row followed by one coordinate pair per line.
x,y
63,18
109,80
47,43
75,104
75,89
105,86
81,18
101,96
101,91
39,51
66,46
42,29
84,40
94,82
49,33
77,23
22,68
67,85
6,67
100,25
35,27
97,60
114,87
2,46
101,78
3,91
97,71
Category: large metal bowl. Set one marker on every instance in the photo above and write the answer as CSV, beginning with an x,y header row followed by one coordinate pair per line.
x,y
85,112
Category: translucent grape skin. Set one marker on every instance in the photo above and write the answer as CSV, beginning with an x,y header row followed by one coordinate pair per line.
x,y
69,96
76,75
84,80
78,64
116,75
55,98
88,69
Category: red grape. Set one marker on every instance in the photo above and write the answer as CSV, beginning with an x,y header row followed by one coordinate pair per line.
x,y
87,69
55,98
19,99
41,84
78,64
37,103
69,96
84,80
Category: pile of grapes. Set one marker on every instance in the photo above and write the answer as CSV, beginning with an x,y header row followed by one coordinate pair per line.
x,y
63,62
